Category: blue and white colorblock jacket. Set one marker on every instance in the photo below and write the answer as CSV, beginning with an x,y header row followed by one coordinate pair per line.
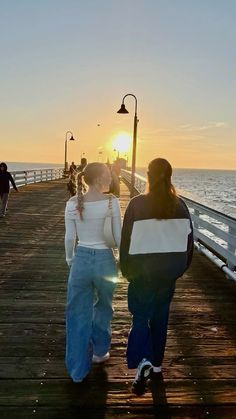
x,y
153,247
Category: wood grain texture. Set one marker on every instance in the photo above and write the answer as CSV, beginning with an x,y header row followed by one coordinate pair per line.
x,y
199,370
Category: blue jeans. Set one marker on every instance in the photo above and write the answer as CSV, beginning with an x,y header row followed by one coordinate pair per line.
x,y
149,303
91,284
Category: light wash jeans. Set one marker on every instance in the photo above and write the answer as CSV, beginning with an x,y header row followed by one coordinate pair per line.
x,y
92,280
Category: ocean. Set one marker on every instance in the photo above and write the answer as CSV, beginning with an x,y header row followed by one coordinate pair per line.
x,y
213,188
18,166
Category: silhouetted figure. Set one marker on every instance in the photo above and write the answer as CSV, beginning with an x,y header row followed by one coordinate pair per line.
x,y
115,182
72,167
83,164
5,179
72,182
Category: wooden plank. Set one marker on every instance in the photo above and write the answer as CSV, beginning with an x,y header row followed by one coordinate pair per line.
x,y
62,392
200,364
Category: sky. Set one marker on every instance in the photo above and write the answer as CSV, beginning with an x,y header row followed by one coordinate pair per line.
x,y
66,65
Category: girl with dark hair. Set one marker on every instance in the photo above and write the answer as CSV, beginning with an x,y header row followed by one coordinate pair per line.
x,y
156,249
93,273
5,179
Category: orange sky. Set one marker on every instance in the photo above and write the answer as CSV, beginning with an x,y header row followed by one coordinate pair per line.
x,y
176,57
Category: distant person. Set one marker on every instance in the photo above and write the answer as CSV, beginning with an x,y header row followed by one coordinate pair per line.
x,y
115,183
72,167
83,164
5,179
72,183
93,272
156,249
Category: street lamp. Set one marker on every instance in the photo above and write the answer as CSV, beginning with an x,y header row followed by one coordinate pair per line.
x,y
100,152
123,110
66,139
118,153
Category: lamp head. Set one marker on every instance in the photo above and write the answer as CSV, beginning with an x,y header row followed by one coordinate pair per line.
x,y
122,109
72,138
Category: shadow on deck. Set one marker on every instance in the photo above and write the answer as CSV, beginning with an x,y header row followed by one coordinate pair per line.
x,y
199,370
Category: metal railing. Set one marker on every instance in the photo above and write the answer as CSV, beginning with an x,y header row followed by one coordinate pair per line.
x,y
25,177
214,232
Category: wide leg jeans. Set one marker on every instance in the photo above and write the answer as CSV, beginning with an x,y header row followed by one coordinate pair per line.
x,y
149,303
92,280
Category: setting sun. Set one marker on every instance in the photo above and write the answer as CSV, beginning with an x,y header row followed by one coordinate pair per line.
x,y
122,142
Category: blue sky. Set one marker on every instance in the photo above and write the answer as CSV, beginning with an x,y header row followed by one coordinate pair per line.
x,y
67,64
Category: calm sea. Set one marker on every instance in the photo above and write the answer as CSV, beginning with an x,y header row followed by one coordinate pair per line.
x,y
213,188
15,166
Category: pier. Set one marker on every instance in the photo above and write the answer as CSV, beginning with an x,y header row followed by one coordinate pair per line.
x,y
199,370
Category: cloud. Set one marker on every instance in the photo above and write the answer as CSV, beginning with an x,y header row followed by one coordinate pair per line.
x,y
183,131
185,126
207,126
220,124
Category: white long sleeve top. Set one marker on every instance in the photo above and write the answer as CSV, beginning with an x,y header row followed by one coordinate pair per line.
x,y
90,231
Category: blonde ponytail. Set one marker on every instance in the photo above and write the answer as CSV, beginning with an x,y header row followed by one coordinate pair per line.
x,y
80,194
92,172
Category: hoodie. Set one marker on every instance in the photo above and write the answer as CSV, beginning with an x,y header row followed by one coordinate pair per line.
x,y
153,247
5,179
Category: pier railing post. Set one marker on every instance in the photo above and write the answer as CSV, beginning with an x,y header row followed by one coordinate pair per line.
x,y
231,247
195,223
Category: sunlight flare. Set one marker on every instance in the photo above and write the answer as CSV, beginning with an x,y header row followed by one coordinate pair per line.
x,y
121,142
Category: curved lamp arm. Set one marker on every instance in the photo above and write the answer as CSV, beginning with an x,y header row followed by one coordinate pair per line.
x,y
136,101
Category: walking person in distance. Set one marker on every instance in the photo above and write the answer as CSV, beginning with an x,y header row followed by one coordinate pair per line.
x,y
156,249
5,179
93,273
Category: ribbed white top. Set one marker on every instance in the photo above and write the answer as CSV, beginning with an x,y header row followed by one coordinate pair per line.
x,y
90,230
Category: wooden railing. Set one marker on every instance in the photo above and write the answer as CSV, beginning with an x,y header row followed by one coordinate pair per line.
x,y
214,232
25,177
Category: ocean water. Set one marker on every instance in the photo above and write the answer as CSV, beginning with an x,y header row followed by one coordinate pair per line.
x,y
213,188
18,166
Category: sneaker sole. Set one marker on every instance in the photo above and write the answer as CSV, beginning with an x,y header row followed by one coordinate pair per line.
x,y
139,386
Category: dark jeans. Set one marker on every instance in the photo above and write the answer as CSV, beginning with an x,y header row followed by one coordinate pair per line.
x,y
149,303
4,198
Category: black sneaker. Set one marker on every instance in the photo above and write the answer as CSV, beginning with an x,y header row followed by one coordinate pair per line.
x,y
142,375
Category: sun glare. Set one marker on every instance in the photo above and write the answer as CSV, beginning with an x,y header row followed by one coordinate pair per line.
x,y
122,142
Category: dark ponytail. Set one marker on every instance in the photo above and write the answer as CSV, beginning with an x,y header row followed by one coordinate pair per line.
x,y
161,193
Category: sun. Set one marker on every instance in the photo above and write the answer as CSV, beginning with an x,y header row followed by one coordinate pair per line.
x,y
122,142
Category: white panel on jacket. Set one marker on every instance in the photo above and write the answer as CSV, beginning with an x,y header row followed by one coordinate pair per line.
x,y
159,236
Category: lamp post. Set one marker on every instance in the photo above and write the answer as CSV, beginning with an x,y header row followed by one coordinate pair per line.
x,y
66,139
100,152
123,110
118,153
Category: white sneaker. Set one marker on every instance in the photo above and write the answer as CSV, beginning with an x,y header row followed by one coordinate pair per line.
x,y
100,359
142,375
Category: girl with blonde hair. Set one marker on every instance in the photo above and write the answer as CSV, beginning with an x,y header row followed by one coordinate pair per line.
x,y
93,271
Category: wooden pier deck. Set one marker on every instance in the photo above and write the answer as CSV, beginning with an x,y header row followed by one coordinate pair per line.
x,y
199,372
